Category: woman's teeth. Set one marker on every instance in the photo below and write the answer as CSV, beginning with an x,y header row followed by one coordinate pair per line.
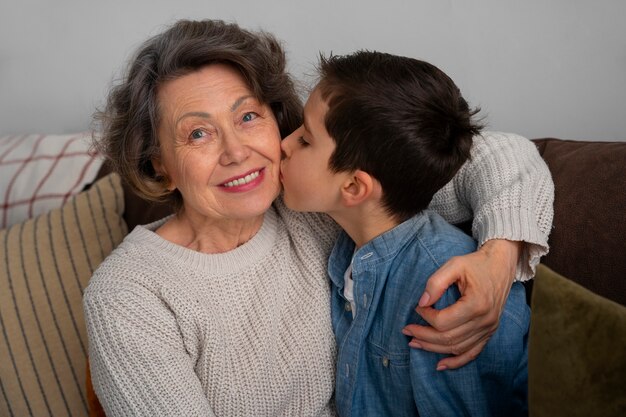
x,y
242,181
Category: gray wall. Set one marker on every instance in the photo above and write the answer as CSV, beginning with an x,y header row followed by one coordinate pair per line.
x,y
536,67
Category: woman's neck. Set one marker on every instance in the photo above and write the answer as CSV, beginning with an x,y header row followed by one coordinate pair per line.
x,y
208,235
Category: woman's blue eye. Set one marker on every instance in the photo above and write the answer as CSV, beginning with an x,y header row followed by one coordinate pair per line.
x,y
249,117
197,134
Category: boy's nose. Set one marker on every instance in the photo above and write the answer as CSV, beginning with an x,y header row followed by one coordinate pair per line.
x,y
285,144
284,147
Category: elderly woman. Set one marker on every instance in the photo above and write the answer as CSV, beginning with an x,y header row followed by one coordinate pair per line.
x,y
223,308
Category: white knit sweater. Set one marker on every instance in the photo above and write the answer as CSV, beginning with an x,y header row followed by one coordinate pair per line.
x,y
174,332
507,189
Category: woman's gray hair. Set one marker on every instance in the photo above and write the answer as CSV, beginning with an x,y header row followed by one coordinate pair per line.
x,y
126,128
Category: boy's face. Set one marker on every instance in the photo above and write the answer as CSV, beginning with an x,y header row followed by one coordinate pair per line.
x,y
308,183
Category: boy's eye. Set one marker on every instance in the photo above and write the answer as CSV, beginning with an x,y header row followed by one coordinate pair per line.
x,y
302,141
249,116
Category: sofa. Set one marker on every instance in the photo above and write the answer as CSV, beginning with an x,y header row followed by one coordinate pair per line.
x,y
577,341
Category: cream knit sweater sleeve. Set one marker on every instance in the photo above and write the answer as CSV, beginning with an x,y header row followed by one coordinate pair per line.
x,y
507,189
140,364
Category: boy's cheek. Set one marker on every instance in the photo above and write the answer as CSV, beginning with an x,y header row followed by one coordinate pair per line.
x,y
295,196
290,200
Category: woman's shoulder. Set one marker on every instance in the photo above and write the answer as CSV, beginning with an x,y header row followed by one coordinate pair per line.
x,y
493,142
131,265
301,224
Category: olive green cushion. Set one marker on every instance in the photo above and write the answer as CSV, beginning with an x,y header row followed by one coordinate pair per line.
x,y
577,350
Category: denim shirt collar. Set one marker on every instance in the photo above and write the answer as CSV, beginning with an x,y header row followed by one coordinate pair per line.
x,y
380,249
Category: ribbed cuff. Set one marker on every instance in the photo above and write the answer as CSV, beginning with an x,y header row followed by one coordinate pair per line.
x,y
516,225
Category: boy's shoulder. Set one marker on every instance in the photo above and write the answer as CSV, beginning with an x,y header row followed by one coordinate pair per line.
x,y
422,244
439,240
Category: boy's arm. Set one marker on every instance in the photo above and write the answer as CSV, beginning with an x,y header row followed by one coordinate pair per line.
x,y
466,391
450,393
508,190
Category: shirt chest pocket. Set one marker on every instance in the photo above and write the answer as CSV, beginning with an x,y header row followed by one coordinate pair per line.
x,y
377,355
389,377
385,340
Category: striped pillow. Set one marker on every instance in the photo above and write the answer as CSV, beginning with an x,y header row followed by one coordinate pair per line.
x,y
41,172
45,263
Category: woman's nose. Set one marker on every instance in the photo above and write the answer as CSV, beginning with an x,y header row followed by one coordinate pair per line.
x,y
234,149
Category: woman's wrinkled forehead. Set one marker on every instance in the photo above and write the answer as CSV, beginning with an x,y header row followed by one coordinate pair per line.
x,y
194,83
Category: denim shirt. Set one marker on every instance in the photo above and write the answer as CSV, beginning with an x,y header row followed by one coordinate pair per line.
x,y
377,373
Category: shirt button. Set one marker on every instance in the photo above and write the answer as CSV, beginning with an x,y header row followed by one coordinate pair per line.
x,y
385,362
348,307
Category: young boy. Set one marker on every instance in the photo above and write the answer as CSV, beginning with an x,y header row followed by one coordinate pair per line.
x,y
381,135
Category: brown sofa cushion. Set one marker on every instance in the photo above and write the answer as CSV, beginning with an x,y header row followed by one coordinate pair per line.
x,y
588,240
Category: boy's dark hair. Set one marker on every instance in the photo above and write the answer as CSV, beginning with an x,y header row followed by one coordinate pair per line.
x,y
399,119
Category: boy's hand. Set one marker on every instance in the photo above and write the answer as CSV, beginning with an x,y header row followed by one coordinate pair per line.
x,y
484,279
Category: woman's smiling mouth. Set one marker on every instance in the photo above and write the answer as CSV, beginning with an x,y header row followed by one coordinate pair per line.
x,y
246,179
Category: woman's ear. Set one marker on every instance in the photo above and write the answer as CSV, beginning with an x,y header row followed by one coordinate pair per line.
x,y
357,188
157,166
161,174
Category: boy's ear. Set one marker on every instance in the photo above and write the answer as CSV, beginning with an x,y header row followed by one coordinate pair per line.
x,y
358,187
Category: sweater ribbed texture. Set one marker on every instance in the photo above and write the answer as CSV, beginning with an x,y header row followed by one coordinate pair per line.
x,y
510,189
175,332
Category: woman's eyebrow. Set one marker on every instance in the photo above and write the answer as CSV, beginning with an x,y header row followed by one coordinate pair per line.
x,y
201,114
206,115
239,101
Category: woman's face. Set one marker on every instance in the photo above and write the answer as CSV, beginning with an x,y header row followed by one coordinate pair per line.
x,y
219,146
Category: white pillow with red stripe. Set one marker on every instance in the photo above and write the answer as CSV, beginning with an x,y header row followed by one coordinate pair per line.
x,y
41,172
